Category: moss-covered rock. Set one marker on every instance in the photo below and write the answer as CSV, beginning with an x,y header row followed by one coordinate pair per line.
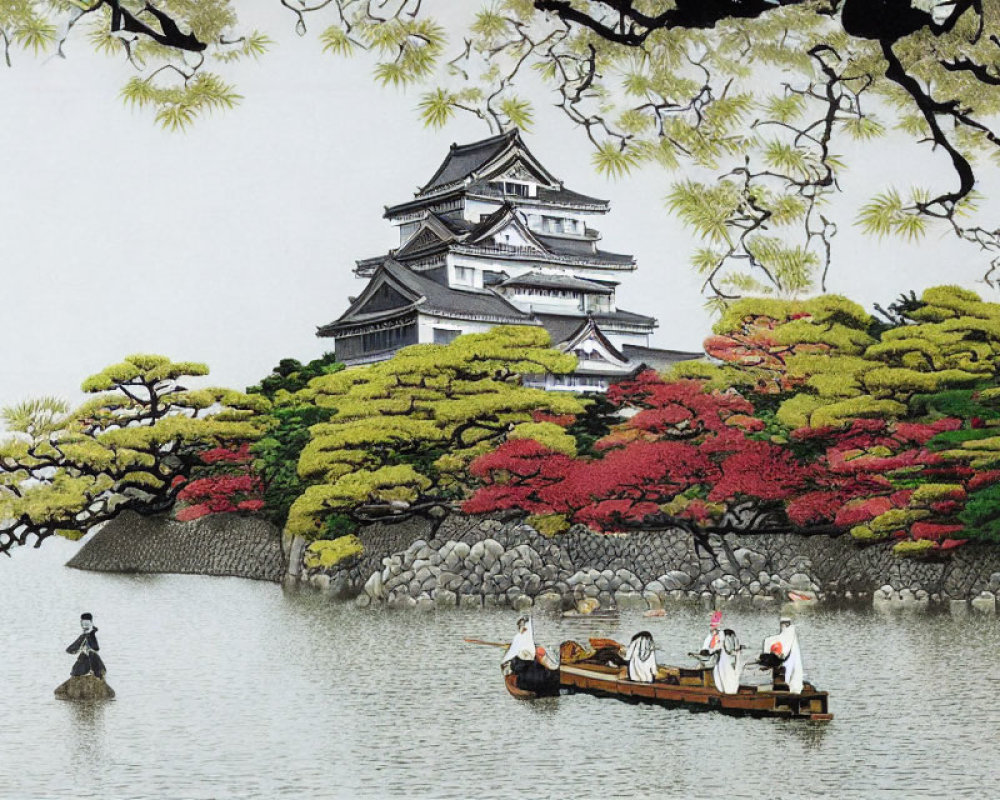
x,y
328,553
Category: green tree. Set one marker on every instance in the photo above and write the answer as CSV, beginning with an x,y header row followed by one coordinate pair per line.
x,y
404,430
752,99
277,452
131,446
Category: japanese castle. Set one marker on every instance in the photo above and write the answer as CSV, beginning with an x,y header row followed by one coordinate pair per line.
x,y
494,238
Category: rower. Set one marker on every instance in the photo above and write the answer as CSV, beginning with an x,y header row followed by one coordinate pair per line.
x,y
783,650
641,658
535,669
722,650
524,641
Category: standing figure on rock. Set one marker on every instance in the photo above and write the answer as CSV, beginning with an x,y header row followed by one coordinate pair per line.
x,y
88,661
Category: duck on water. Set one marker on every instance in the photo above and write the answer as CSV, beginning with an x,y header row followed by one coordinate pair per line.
x,y
723,680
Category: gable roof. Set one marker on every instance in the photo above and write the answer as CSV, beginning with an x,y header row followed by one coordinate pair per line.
x,y
549,281
489,157
590,330
420,293
503,217
432,232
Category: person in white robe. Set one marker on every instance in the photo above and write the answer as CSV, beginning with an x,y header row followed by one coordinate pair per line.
x,y
524,642
641,657
725,650
785,647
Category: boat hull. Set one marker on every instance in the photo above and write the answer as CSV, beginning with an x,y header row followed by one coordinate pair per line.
x,y
810,704
599,670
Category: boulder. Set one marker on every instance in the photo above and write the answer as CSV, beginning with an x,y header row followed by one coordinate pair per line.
x,y
85,687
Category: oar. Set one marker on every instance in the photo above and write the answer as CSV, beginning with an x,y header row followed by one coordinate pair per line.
x,y
488,644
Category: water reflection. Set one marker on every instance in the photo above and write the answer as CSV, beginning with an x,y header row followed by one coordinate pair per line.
x,y
85,730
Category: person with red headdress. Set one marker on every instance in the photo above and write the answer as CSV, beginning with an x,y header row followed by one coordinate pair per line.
x,y
723,648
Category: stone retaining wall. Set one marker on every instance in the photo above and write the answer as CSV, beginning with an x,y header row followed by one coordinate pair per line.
x,y
472,562
221,544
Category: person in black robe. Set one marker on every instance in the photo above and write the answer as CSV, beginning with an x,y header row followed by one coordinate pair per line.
x,y
85,645
533,675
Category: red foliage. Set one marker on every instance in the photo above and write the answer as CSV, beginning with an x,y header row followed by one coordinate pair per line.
x,y
226,455
228,483
689,454
857,511
562,420
933,530
753,346
683,438
983,479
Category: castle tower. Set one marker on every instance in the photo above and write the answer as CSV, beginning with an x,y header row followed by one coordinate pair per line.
x,y
493,238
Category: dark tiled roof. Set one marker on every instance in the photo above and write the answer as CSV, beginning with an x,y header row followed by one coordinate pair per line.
x,y
427,295
463,160
621,315
457,225
562,196
658,358
576,247
560,327
562,244
544,280
568,323
487,222
492,277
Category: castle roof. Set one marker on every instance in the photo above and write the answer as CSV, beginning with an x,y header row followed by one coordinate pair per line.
x,y
468,168
545,280
407,291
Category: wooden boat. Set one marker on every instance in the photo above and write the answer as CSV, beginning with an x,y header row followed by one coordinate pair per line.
x,y
592,671
510,681
600,670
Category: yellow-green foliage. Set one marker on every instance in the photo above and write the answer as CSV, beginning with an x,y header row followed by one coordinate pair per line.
x,y
121,446
897,519
715,376
462,398
832,320
549,524
547,433
935,492
913,549
329,553
865,407
141,370
953,341
863,533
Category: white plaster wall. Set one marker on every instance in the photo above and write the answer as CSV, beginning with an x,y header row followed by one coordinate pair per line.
x,y
427,323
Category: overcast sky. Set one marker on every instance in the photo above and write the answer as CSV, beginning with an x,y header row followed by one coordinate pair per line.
x,y
232,242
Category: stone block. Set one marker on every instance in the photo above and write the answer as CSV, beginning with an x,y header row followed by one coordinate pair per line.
x,y
521,603
548,602
630,600
470,601
443,598
985,603
374,587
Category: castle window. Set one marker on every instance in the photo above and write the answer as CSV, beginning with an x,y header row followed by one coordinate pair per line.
x,y
445,335
466,276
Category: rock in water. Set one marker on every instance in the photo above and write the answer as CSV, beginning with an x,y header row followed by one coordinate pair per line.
x,y
85,687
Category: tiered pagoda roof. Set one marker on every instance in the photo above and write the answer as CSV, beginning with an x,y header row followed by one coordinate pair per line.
x,y
404,291
468,169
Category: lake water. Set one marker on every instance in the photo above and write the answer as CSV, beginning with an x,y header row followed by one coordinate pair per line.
x,y
230,688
